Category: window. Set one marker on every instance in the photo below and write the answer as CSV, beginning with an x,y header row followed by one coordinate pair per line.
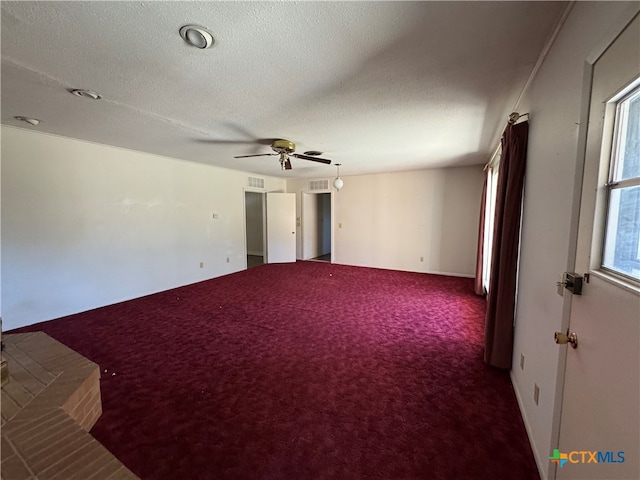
x,y
489,216
490,212
621,253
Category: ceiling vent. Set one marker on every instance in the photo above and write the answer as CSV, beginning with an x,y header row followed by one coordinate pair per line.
x,y
318,185
255,182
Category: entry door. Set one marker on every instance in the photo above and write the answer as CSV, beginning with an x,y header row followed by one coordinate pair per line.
x,y
601,400
281,227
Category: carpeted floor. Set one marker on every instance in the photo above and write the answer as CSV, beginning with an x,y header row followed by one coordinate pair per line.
x,y
303,371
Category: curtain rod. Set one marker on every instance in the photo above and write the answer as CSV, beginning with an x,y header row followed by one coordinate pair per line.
x,y
513,118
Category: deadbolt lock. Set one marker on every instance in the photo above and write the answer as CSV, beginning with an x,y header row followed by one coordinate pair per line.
x,y
564,338
572,282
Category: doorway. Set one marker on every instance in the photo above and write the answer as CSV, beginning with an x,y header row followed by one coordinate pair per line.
x,y
316,226
254,218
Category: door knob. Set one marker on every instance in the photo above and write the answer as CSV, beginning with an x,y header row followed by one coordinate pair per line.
x,y
564,338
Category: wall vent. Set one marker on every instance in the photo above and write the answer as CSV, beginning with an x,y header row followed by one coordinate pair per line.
x,y
318,185
256,182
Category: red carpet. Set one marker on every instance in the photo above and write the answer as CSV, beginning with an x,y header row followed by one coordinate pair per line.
x,y
303,371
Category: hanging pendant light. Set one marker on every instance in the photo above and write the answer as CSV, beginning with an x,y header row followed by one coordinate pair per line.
x,y
338,183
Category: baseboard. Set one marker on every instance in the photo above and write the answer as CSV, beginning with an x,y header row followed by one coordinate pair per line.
x,y
449,274
429,272
542,464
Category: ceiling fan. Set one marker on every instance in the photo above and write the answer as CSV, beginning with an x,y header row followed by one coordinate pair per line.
x,y
286,149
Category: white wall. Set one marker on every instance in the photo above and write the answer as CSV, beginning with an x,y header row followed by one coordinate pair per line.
x,y
391,220
554,101
1,327
86,225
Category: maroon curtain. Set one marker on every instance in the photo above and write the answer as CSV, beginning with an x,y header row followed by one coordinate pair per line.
x,y
501,299
480,254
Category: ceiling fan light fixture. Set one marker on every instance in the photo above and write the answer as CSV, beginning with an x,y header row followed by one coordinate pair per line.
x,y
197,36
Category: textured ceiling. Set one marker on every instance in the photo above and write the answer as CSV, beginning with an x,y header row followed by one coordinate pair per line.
x,y
376,86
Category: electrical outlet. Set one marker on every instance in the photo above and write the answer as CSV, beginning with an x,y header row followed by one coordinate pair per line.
x,y
201,264
422,259
339,225
522,361
536,393
227,259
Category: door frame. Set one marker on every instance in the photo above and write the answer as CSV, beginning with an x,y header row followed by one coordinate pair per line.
x,y
304,192
614,32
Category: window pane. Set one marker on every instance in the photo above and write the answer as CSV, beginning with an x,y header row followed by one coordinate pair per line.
x,y
629,139
492,187
622,240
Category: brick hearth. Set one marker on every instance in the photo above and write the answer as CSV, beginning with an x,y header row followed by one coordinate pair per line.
x,y
48,406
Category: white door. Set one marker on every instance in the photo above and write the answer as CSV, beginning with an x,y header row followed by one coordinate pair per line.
x,y
281,227
599,434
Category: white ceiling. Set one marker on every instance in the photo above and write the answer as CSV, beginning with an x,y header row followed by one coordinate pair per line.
x,y
376,86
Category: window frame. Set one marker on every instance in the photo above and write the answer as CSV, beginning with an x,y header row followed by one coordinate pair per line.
x,y
612,184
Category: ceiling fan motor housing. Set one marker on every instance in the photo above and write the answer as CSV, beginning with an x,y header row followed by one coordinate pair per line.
x,y
283,146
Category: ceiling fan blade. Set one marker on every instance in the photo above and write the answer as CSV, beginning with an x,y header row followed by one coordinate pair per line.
x,y
243,132
287,164
256,155
256,141
224,142
313,159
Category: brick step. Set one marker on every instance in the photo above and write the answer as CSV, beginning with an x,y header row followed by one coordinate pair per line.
x,y
48,406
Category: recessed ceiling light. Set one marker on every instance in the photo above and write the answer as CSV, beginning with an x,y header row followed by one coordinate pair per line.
x,y
86,94
31,121
197,36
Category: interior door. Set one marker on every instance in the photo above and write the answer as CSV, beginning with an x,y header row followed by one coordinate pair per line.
x,y
599,434
281,227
